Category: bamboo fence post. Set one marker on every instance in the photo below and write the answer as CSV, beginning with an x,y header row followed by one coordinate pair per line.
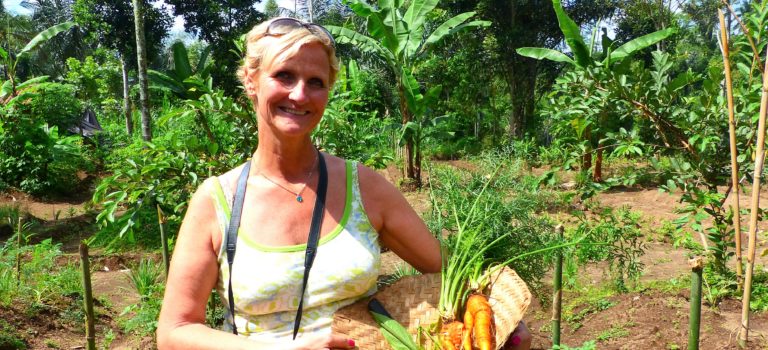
x,y
754,209
18,253
557,300
90,332
161,222
734,152
697,266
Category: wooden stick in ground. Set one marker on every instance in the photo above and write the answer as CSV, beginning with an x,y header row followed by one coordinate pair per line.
x,y
734,152
90,332
754,209
18,253
697,266
557,300
163,239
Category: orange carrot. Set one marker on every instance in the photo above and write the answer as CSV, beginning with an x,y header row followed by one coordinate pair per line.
x,y
469,320
450,335
478,306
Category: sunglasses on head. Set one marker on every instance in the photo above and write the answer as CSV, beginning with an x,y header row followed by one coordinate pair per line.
x,y
283,26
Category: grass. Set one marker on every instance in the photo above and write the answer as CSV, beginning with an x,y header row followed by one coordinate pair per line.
x,y
615,332
593,300
144,277
141,319
10,337
587,345
667,286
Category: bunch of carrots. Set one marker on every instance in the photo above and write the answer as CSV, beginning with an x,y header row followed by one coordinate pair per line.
x,y
478,325
477,331
465,274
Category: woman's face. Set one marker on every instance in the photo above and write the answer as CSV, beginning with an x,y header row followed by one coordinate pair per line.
x,y
292,93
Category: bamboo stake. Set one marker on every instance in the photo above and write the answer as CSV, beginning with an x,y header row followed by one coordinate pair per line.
x,y
734,152
18,253
90,332
754,209
164,240
557,300
697,266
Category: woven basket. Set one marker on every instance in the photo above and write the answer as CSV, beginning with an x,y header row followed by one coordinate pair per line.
x,y
412,301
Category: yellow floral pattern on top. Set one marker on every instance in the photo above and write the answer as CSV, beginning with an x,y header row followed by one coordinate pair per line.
x,y
266,280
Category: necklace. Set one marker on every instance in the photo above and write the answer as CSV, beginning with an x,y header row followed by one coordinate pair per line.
x,y
299,198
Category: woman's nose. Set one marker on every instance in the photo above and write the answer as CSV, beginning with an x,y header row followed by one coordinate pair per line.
x,y
299,92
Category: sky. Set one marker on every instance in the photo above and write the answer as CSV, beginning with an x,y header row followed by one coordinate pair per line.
x,y
13,6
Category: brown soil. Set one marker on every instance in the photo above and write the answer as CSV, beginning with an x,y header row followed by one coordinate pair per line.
x,y
640,320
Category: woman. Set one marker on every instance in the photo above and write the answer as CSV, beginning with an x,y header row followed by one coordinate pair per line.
x,y
288,72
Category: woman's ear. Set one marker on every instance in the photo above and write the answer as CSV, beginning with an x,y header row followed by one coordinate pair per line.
x,y
251,81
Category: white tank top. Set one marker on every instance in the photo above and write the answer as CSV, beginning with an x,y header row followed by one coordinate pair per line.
x,y
266,280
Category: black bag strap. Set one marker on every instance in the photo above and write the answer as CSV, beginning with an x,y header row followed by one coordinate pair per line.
x,y
312,240
314,236
234,224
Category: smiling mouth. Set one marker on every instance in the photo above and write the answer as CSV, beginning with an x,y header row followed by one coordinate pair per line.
x,y
294,111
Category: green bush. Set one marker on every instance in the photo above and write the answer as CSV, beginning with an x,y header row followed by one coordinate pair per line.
x,y
354,135
35,154
10,337
55,104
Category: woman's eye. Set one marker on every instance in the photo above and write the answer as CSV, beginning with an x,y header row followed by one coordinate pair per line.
x,y
284,76
317,83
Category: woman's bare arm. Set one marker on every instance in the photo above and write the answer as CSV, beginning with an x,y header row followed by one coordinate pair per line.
x,y
400,228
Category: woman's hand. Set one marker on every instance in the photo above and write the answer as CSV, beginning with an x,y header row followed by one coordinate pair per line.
x,y
520,339
322,342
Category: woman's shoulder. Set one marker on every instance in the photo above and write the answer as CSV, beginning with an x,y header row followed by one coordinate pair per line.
x,y
228,179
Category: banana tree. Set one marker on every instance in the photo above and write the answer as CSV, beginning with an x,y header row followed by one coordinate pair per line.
x,y
396,34
604,66
185,83
10,60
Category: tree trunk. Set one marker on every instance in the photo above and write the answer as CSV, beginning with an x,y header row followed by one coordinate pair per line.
x,y
597,172
586,161
411,169
146,122
126,97
521,79
204,124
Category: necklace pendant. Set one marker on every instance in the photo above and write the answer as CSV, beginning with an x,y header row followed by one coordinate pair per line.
x,y
299,198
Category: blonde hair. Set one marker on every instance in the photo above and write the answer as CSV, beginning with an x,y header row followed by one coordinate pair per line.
x,y
260,54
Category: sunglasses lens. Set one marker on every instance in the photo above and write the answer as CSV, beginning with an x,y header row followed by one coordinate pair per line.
x,y
285,25
324,31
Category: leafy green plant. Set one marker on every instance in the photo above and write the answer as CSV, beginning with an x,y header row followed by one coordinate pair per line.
x,y
615,332
145,277
347,132
97,81
153,174
509,214
141,319
10,338
590,110
187,84
587,345
397,35
11,59
617,239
